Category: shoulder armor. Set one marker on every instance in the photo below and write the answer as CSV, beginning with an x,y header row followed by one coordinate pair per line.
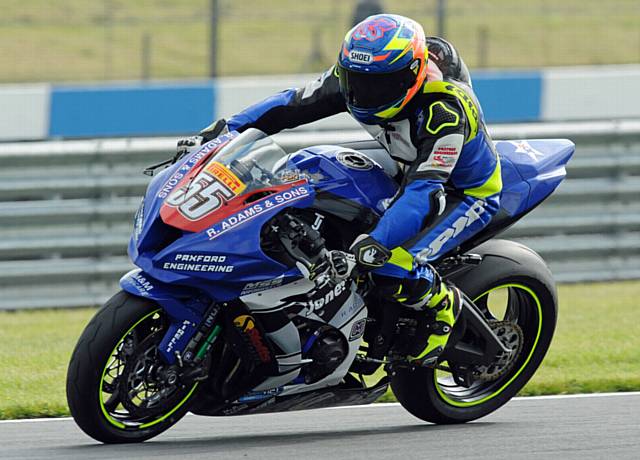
x,y
441,115
464,95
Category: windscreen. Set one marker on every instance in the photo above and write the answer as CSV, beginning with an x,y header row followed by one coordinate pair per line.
x,y
256,161
251,161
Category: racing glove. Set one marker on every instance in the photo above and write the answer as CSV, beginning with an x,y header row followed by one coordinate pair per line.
x,y
215,129
335,267
366,254
189,144
369,253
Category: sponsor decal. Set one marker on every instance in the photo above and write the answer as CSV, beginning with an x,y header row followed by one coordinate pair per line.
x,y
138,221
465,99
374,29
199,258
458,226
197,267
174,180
259,395
369,255
361,57
179,333
318,222
347,311
527,149
247,324
444,156
372,256
357,329
202,196
267,204
142,284
445,153
251,288
288,175
198,263
226,176
315,305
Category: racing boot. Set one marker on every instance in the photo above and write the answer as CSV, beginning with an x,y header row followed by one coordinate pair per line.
x,y
446,304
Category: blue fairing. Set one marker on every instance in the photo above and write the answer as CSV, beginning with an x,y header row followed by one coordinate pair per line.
x,y
368,187
185,271
531,171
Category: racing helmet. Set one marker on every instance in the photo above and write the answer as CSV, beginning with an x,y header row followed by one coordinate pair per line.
x,y
381,66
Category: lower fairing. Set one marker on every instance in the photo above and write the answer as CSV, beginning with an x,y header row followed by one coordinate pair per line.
x,y
342,395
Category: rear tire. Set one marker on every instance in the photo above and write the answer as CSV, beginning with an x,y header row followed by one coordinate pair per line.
x,y
87,385
431,396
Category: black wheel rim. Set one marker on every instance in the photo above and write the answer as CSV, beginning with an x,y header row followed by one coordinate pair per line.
x,y
523,307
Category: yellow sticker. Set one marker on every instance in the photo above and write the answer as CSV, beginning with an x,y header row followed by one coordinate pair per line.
x,y
224,175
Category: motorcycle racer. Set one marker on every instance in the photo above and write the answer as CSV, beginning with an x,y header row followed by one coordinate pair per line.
x,y
414,95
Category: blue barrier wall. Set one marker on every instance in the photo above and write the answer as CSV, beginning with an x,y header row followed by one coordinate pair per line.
x,y
177,108
509,96
181,108
130,110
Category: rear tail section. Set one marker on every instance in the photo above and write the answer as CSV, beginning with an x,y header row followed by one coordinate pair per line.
x,y
531,171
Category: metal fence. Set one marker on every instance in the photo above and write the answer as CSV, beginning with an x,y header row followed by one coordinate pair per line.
x,y
66,210
72,40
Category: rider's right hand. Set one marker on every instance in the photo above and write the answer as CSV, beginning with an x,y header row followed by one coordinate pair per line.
x,y
214,130
188,144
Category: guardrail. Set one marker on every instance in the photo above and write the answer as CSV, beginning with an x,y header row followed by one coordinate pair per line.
x,y
66,210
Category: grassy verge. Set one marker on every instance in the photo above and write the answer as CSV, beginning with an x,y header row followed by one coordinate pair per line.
x,y
596,349
72,40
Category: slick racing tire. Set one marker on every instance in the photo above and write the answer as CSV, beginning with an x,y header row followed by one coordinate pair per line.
x,y
117,390
514,280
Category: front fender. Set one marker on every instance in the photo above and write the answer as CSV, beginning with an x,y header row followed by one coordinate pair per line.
x,y
184,312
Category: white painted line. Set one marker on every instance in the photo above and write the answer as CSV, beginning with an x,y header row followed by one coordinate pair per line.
x,y
579,395
36,420
383,405
519,398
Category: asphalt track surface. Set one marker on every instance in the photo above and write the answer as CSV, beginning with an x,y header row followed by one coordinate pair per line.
x,y
585,427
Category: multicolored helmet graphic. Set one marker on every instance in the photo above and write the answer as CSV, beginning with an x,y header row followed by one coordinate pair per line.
x,y
381,66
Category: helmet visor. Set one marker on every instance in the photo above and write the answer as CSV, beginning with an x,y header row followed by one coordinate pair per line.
x,y
371,90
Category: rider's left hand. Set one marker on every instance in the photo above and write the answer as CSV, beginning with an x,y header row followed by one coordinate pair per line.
x,y
369,253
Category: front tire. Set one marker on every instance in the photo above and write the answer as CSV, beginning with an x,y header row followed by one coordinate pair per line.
x,y
531,302
113,390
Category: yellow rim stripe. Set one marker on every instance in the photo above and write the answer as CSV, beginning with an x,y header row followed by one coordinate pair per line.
x,y
533,349
108,416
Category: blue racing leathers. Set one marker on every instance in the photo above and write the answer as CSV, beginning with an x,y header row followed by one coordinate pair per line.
x,y
451,172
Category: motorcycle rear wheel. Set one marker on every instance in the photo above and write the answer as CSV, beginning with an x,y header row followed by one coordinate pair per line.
x,y
521,280
116,389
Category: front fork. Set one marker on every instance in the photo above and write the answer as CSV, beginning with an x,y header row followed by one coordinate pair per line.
x,y
190,322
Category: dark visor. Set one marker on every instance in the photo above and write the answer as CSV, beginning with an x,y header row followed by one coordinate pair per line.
x,y
370,90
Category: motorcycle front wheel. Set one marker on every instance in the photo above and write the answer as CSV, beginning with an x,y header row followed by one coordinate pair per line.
x,y
118,388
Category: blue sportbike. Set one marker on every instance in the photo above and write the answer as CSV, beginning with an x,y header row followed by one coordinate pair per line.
x,y
220,318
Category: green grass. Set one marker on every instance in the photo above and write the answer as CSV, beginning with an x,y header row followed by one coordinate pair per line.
x,y
596,349
73,40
